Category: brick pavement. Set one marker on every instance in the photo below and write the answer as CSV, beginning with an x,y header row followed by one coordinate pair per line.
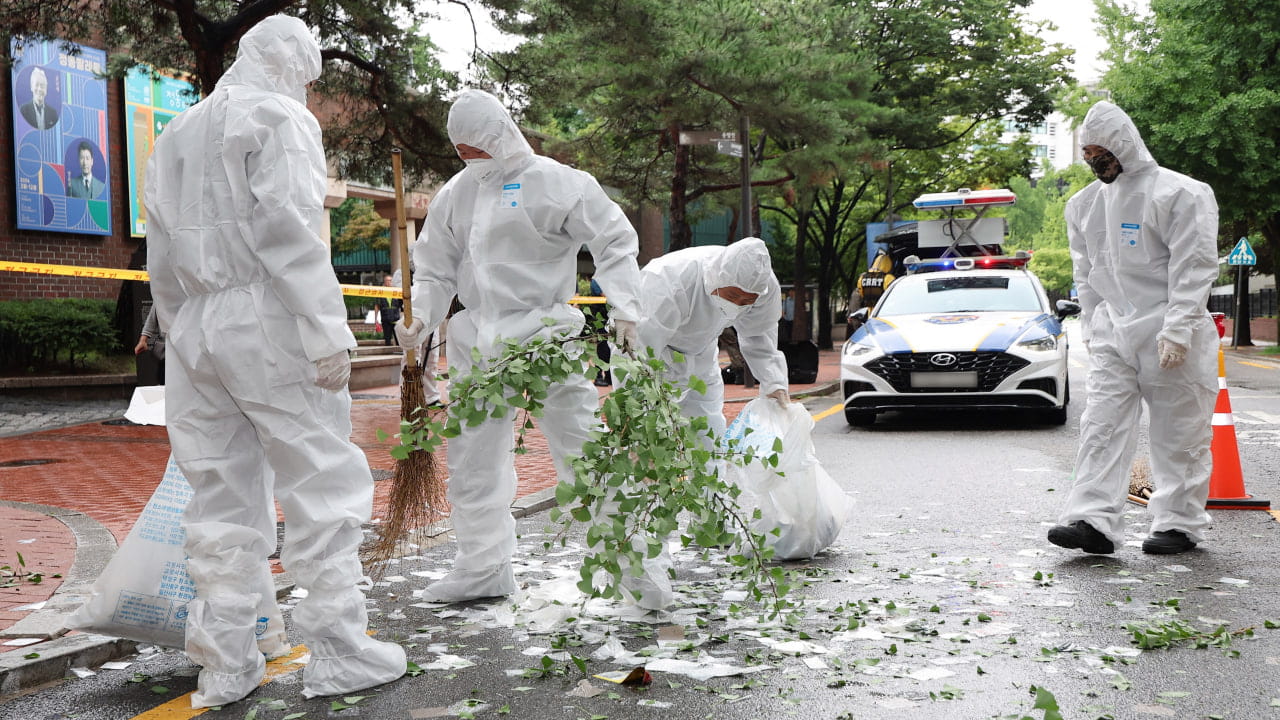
x,y
34,547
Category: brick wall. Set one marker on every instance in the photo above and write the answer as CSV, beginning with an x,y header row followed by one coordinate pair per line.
x,y
56,248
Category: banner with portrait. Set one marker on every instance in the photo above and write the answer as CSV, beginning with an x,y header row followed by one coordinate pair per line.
x,y
151,100
61,175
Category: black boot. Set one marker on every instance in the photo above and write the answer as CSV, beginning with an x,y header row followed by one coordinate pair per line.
x,y
1167,542
1081,535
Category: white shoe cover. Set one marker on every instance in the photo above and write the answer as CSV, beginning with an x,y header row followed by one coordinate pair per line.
x,y
462,585
375,663
216,688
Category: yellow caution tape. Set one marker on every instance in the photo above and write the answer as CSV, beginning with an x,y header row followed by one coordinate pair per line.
x,y
72,270
112,274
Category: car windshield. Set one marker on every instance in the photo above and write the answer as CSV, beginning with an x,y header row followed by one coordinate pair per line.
x,y
961,293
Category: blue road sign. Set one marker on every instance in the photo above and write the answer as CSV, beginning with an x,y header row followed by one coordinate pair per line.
x,y
1242,254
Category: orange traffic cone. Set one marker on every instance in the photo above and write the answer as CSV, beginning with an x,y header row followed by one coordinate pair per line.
x,y
1226,484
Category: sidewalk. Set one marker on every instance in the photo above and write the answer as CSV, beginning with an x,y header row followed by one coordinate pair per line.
x,y
74,478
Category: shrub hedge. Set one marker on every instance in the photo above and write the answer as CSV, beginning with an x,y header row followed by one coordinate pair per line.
x,y
37,334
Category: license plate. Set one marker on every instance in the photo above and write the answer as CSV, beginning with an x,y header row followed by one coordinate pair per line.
x,y
944,379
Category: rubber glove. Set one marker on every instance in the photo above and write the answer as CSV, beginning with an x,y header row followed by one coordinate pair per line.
x,y
624,336
1172,354
411,336
333,372
783,398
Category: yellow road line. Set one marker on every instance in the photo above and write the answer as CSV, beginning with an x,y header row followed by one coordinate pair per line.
x,y
828,412
180,708
1257,365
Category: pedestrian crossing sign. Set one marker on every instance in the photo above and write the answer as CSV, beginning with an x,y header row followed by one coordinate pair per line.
x,y
1242,254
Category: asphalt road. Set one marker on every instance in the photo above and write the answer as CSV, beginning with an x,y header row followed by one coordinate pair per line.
x,y
941,599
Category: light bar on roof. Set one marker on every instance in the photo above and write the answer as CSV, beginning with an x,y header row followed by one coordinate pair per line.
x,y
992,262
964,197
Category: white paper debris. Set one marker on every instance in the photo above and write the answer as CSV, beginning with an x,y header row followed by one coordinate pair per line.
x,y
116,665
445,661
926,674
704,668
23,642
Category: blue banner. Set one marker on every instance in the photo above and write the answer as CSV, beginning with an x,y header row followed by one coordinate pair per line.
x,y
61,175
150,102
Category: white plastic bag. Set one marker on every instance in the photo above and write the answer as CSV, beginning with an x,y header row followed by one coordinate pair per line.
x,y
143,592
797,498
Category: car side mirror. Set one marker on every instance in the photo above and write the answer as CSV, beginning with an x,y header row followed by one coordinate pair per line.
x,y
1067,308
861,314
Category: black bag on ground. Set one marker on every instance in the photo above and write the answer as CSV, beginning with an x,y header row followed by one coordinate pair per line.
x,y
802,362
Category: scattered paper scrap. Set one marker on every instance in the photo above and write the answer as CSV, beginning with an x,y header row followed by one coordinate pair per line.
x,y
584,689
116,665
22,642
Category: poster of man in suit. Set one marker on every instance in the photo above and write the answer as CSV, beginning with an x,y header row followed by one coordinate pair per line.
x,y
62,179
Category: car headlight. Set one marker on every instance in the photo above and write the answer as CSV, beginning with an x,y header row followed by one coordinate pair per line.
x,y
1039,343
858,349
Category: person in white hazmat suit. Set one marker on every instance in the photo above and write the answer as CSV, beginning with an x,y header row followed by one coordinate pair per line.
x,y
1144,246
504,235
258,371
688,298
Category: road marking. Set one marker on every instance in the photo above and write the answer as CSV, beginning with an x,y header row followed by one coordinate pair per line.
x,y
180,708
1257,365
828,412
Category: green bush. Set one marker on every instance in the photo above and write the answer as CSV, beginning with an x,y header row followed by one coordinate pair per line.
x,y
36,334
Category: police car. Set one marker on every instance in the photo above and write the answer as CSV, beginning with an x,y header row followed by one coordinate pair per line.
x,y
959,332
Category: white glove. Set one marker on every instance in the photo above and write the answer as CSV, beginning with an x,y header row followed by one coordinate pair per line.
x,y
1172,354
783,398
411,336
624,336
333,372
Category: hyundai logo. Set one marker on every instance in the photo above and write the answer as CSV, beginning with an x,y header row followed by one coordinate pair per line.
x,y
943,359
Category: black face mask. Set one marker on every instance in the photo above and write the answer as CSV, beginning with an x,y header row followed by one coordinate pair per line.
x,y
1106,166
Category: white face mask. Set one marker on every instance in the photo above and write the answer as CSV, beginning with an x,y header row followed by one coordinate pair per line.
x,y
728,309
481,168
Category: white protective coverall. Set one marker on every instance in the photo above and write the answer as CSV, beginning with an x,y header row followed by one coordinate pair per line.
x,y
1145,254
504,235
234,196
679,314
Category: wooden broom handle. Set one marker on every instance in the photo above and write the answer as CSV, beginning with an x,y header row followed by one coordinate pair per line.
x,y
402,225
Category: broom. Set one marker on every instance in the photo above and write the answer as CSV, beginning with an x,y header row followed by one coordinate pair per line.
x,y
417,497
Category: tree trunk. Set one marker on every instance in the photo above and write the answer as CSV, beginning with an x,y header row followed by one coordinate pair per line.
x,y
800,323
681,233
1271,233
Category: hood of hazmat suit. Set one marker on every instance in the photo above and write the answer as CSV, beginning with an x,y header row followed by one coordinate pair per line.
x,y
242,280
1144,254
679,313
504,233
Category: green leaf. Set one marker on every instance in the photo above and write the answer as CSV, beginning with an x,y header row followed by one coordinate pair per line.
x,y
1048,703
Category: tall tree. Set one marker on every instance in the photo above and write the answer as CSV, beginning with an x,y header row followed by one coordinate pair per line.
x,y
642,72
382,86
1205,95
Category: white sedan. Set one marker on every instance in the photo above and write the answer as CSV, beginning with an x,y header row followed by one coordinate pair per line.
x,y
959,338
